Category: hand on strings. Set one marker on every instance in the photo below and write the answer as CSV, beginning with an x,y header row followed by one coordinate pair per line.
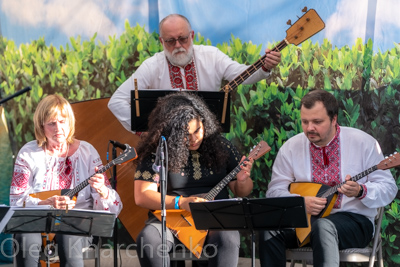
x,y
97,182
314,205
350,188
184,201
272,59
244,174
59,202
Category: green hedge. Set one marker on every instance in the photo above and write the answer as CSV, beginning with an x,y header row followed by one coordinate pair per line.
x,y
366,85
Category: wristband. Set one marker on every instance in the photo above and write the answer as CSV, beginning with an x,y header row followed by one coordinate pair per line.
x,y
177,202
265,69
361,192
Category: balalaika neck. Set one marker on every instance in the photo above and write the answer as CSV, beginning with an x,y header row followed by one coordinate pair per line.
x,y
82,185
355,178
221,185
252,69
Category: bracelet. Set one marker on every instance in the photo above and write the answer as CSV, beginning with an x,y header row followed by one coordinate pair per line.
x,y
177,202
265,69
361,192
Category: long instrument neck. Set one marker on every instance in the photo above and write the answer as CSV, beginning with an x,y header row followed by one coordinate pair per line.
x,y
221,185
252,69
355,178
82,185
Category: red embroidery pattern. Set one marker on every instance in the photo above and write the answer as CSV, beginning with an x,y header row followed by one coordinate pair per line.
x,y
190,76
327,174
20,180
116,202
66,175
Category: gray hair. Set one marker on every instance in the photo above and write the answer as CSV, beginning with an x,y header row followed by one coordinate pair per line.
x,y
172,16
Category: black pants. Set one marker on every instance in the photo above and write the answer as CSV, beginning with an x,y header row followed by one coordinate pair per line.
x,y
337,231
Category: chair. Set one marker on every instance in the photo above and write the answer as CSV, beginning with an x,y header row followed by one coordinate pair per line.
x,y
369,254
93,251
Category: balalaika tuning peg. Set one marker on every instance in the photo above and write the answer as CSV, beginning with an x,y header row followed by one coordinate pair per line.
x,y
289,22
390,157
304,9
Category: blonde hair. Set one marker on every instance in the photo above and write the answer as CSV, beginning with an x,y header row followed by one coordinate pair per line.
x,y
46,110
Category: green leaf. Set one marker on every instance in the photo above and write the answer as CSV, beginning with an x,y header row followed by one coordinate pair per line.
x,y
18,129
111,77
243,126
244,101
80,94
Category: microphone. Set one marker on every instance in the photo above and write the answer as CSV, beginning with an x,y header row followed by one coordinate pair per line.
x,y
20,92
160,149
118,144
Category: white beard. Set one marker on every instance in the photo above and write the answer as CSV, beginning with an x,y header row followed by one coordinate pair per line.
x,y
181,59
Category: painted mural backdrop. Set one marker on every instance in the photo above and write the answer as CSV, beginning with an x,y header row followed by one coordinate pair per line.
x,y
86,49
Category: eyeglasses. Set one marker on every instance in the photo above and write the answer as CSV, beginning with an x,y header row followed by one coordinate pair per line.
x,y
182,40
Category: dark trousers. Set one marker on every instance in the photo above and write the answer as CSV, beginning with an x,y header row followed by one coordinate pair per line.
x,y
222,247
328,235
69,247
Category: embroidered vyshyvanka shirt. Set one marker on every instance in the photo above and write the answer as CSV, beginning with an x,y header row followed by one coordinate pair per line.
x,y
183,78
34,171
325,164
211,67
357,152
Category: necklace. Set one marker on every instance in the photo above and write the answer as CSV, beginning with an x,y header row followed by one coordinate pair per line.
x,y
48,163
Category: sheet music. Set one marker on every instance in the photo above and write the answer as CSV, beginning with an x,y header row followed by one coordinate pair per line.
x,y
42,207
49,207
227,199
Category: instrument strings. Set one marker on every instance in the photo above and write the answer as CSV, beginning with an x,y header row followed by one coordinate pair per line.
x,y
254,67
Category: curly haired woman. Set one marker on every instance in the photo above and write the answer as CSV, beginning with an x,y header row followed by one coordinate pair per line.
x,y
198,158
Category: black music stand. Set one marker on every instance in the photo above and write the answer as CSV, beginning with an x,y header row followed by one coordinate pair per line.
x,y
5,214
71,222
250,214
146,101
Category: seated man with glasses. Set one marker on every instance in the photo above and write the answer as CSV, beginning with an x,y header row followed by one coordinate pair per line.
x,y
183,65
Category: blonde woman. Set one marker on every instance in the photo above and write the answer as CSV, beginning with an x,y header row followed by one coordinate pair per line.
x,y
55,161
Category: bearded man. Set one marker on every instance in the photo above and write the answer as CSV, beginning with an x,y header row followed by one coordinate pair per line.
x,y
329,154
183,65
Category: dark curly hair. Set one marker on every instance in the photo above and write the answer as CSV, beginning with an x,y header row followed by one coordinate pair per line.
x,y
170,118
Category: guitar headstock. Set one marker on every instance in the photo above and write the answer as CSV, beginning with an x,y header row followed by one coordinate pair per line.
x,y
259,150
389,162
305,27
126,156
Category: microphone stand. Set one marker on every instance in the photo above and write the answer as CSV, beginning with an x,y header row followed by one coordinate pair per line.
x,y
116,145
114,186
163,191
26,89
